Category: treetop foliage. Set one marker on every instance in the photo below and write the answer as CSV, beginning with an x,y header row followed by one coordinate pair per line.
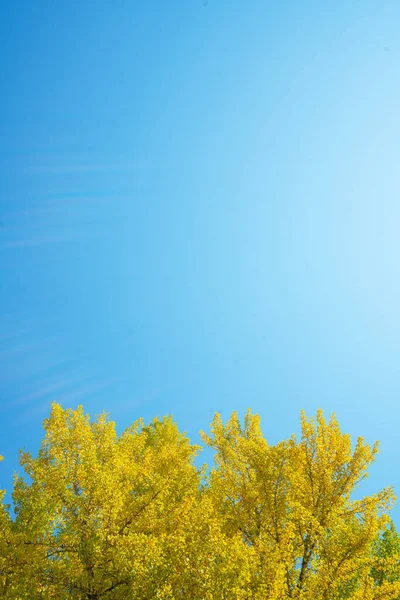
x,y
102,516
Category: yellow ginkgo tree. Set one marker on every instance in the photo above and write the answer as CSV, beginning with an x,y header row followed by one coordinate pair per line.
x,y
98,510
292,503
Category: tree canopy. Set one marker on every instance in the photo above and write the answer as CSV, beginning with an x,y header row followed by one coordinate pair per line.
x,y
99,516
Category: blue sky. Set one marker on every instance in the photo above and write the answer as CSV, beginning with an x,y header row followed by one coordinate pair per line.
x,y
199,206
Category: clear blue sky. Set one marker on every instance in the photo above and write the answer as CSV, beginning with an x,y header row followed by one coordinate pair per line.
x,y
199,206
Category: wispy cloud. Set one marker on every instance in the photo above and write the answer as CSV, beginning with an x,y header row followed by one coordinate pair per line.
x,y
24,348
60,383
44,240
63,169
52,222
66,399
85,391
13,334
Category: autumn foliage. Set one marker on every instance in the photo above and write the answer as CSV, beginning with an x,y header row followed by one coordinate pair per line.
x,y
99,516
